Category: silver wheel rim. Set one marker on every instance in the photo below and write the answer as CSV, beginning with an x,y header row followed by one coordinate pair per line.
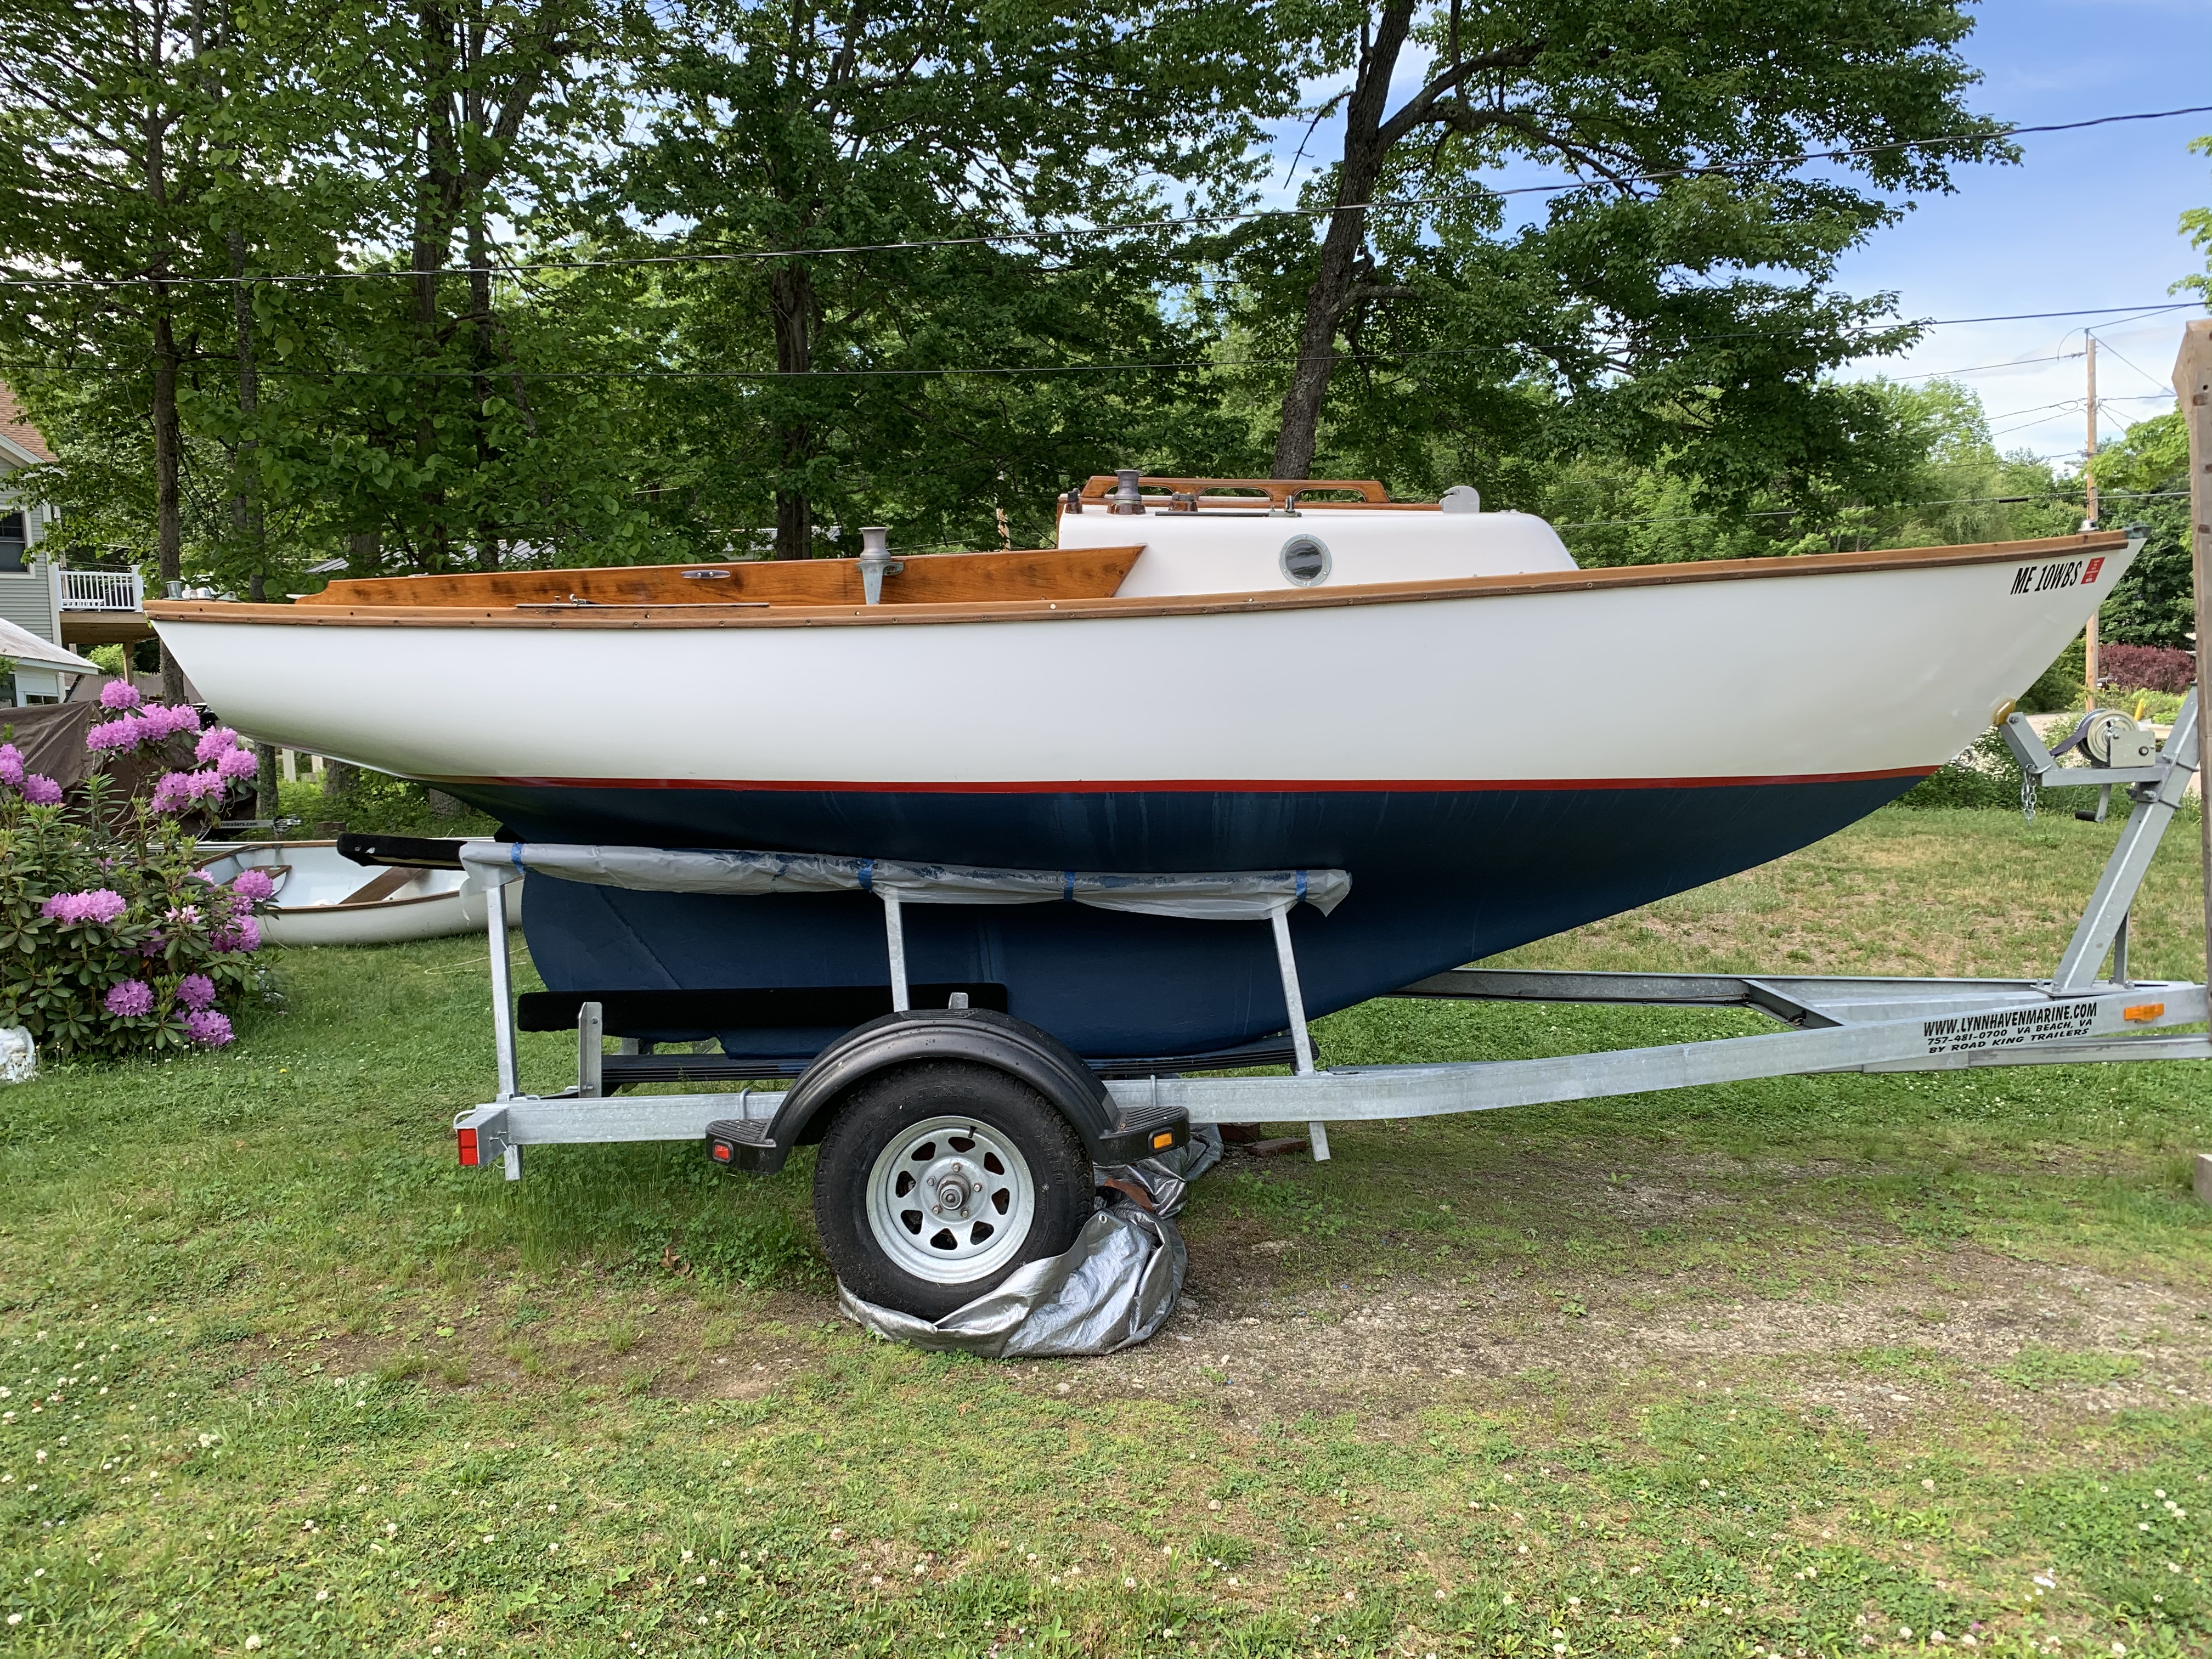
x,y
951,1199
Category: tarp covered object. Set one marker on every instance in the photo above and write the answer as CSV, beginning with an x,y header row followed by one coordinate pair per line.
x,y
51,737
1112,1288
1223,896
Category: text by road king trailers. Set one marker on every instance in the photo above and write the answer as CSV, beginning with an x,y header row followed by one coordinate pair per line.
x,y
2009,1027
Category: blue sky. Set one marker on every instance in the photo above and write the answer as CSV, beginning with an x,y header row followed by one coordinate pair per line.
x,y
2086,218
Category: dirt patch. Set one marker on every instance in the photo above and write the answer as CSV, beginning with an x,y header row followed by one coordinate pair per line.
x,y
678,1352
2021,1337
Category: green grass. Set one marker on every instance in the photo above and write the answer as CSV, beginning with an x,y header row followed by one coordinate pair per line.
x,y
1795,1366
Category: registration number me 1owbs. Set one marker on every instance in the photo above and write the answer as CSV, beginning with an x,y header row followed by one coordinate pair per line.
x,y
2043,577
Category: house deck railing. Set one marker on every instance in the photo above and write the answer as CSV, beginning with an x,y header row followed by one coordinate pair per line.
x,y
102,590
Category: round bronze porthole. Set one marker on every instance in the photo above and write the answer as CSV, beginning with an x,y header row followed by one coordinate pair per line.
x,y
1305,561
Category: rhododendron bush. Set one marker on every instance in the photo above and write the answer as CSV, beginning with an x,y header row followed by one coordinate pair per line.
x,y
112,942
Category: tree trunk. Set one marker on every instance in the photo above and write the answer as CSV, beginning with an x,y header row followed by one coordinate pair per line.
x,y
168,520
245,519
791,298
1331,289
267,804
435,192
488,539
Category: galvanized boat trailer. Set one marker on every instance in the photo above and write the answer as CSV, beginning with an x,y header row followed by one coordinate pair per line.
x,y
1828,1025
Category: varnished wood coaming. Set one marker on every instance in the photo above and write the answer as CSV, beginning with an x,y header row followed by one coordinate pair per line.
x,y
1035,609
933,579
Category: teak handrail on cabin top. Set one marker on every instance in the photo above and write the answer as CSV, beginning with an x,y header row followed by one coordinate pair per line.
x,y
1100,487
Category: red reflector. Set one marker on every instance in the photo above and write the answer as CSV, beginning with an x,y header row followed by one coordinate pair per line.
x,y
721,1152
2090,575
468,1140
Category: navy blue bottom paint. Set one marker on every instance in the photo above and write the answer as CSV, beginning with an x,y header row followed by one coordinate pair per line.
x,y
1438,879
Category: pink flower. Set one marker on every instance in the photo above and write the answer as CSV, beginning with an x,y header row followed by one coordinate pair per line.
x,y
11,766
195,991
102,905
236,763
119,693
177,790
41,791
214,742
185,915
208,1027
165,719
241,933
124,733
129,999
255,886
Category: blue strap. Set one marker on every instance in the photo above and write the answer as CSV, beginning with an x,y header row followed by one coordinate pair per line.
x,y
1302,888
515,857
867,875
1067,884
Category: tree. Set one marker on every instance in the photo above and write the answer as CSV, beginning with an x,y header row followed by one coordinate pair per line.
x,y
793,129
1682,126
2143,479
104,109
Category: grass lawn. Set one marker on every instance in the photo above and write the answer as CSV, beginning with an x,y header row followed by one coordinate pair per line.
x,y
1813,1366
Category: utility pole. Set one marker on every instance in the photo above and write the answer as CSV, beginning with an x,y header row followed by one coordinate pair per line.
x,y
2089,522
2193,384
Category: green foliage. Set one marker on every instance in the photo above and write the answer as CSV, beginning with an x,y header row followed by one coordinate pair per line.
x,y
2065,684
1985,775
377,801
2197,225
1660,354
1942,484
1685,316
2143,479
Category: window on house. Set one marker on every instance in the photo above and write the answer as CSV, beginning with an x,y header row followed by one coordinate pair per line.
x,y
14,539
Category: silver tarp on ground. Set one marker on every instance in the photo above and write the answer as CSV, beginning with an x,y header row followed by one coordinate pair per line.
x,y
1222,896
1112,1288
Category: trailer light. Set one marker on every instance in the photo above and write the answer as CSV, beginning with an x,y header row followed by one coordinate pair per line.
x,y
719,1151
1165,1138
2143,1011
468,1140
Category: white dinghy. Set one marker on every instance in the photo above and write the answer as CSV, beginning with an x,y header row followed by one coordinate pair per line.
x,y
323,898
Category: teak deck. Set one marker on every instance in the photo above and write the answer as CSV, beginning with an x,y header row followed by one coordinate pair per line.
x,y
1047,587
936,579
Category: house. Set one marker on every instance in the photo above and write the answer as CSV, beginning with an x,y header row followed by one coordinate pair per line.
x,y
34,670
39,591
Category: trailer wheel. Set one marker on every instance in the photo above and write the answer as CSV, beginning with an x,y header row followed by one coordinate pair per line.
x,y
936,1180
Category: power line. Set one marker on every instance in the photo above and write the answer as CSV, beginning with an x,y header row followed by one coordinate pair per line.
x,y
1128,228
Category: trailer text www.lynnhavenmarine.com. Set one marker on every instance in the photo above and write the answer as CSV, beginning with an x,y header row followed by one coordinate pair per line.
x,y
2009,1026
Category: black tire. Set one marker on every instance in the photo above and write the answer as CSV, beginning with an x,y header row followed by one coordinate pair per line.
x,y
876,1112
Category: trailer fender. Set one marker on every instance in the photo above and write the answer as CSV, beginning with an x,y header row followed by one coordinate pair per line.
x,y
982,1035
